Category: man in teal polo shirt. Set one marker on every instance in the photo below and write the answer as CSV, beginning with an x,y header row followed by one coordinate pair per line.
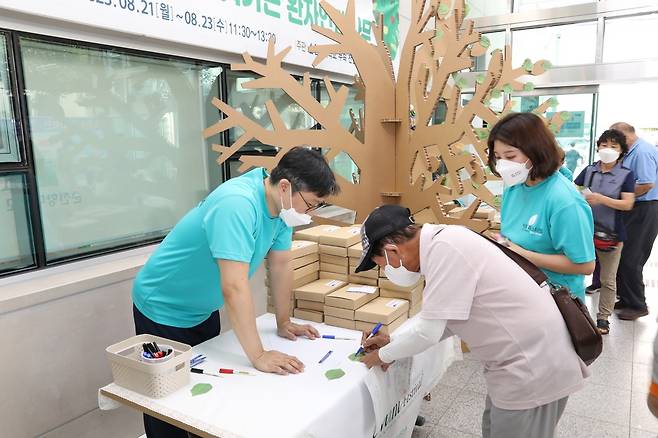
x,y
641,224
208,257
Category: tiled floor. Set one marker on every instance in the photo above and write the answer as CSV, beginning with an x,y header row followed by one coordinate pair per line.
x,y
612,405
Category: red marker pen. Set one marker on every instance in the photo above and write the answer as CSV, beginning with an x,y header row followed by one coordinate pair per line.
x,y
230,371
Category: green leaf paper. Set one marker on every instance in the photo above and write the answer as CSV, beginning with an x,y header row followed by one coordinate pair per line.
x,y
547,65
553,128
565,115
553,101
527,65
467,10
439,33
482,133
484,42
496,93
507,88
200,388
479,78
443,9
528,86
334,374
354,358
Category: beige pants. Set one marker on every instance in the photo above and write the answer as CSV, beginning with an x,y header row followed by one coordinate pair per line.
x,y
609,261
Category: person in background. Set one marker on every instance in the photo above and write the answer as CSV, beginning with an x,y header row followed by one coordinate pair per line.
x,y
573,158
609,190
474,290
208,257
563,169
543,217
641,224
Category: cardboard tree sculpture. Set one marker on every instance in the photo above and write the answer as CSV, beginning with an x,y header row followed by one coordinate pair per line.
x,y
398,161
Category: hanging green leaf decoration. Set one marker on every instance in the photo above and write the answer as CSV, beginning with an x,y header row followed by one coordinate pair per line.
x,y
482,133
444,9
496,93
527,65
438,34
485,42
553,101
547,65
467,10
334,374
507,88
479,78
200,388
528,86
565,115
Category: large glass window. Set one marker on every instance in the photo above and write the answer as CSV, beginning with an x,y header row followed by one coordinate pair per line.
x,y
486,8
623,102
8,142
570,44
343,164
118,151
496,40
575,136
531,5
630,38
16,250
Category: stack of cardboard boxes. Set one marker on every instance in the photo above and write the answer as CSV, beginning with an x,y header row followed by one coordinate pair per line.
x,y
367,277
306,267
412,294
340,306
391,312
311,297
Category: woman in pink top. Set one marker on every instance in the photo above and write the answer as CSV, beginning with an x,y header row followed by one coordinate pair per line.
x,y
475,291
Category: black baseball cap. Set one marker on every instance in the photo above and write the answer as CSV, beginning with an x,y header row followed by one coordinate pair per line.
x,y
383,221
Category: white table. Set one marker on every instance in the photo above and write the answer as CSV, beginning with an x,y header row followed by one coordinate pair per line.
x,y
303,405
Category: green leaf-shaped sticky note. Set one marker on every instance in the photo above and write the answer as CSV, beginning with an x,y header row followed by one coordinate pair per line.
x,y
482,133
200,388
527,65
487,101
484,42
547,65
334,374
496,93
355,358
498,200
479,78
565,115
467,10
444,9
507,88
552,127
528,86
553,101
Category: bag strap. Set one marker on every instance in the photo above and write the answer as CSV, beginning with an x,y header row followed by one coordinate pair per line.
x,y
533,271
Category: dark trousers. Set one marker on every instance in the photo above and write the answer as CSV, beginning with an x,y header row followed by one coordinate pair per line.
x,y
641,229
208,329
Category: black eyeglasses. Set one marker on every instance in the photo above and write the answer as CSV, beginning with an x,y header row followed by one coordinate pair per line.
x,y
312,207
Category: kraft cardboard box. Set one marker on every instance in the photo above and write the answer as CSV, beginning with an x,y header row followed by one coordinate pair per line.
x,y
388,284
305,270
301,248
337,312
414,297
350,297
340,322
330,267
355,251
300,281
384,310
334,260
313,233
318,290
309,315
310,305
362,280
299,262
386,329
415,310
337,251
344,236
367,274
333,276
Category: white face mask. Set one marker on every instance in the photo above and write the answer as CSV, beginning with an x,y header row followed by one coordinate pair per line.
x,y
608,155
291,217
400,275
511,172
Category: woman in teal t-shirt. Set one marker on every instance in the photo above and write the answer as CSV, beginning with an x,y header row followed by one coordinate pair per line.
x,y
543,217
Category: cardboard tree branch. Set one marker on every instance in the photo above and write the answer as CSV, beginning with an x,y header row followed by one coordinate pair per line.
x,y
422,165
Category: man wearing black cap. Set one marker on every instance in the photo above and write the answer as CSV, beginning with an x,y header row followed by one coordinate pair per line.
x,y
475,291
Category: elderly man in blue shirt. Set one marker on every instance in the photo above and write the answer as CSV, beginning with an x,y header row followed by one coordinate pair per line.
x,y
641,224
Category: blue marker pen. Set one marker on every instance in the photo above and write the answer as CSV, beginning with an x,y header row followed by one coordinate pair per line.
x,y
372,333
338,338
325,356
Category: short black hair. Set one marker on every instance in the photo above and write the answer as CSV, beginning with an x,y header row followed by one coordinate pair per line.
x,y
307,171
614,136
528,133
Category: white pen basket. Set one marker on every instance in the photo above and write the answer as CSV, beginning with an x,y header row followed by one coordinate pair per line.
x,y
151,379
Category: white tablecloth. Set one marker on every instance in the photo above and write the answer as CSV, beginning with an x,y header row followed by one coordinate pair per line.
x,y
303,405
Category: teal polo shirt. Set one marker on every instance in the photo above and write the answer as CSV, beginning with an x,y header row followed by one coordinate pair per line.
x,y
180,284
551,218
